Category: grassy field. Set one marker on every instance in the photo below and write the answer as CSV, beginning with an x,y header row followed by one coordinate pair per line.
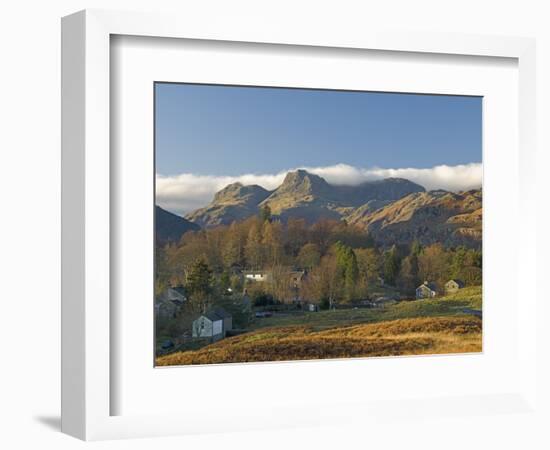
x,y
418,336
407,328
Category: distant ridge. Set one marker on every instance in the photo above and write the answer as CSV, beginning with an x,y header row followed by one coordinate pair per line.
x,y
169,227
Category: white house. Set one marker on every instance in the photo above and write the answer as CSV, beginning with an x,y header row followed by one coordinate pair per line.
x,y
426,290
213,324
256,275
453,285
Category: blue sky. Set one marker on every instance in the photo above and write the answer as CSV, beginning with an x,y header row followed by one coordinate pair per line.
x,y
225,130
209,136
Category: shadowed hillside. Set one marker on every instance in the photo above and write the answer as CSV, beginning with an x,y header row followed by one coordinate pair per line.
x,y
169,227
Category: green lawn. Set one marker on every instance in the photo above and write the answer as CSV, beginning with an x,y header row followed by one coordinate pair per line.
x,y
443,306
467,298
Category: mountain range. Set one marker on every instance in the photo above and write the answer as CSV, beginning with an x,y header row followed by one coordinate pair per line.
x,y
302,195
393,210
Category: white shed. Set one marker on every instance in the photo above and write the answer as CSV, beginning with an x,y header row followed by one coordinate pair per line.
x,y
426,290
213,324
453,285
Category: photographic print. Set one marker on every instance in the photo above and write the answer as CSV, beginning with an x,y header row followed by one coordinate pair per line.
x,y
300,224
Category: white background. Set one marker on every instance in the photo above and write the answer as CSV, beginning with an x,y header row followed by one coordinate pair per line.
x,y
29,147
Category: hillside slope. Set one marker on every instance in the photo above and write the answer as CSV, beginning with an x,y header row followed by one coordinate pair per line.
x,y
169,227
435,216
417,336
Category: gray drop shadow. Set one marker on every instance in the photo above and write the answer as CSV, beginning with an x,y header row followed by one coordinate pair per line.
x,y
51,422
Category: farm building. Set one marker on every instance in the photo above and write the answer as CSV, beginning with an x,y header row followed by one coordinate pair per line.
x,y
453,285
169,302
165,309
213,324
426,290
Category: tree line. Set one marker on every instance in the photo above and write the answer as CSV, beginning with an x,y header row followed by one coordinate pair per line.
x,y
342,261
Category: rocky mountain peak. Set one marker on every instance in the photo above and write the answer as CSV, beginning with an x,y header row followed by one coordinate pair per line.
x,y
302,180
237,192
385,204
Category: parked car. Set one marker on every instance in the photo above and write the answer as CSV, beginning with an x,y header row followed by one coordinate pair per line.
x,y
262,314
166,345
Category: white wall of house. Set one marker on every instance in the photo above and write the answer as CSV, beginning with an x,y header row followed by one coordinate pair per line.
x,y
424,292
256,276
202,327
452,286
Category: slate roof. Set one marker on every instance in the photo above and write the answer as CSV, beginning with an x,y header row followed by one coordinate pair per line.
x,y
217,314
180,290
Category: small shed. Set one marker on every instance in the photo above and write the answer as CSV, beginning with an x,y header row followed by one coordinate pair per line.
x,y
426,290
453,285
214,324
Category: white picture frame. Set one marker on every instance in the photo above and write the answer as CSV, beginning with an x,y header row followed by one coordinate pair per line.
x,y
87,356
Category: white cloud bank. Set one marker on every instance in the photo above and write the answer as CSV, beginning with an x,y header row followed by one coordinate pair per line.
x,y
184,193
